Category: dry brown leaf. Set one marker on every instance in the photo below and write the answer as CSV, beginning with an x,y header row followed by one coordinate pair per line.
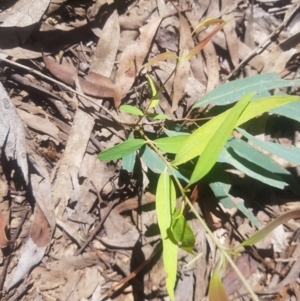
x,y
101,80
132,60
65,71
161,57
70,162
183,68
212,65
3,238
137,15
97,90
12,133
204,40
43,224
18,21
167,39
281,54
257,62
40,229
39,124
107,47
247,266
231,38
93,84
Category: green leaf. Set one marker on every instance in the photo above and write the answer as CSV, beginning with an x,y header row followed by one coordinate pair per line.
x,y
157,165
232,91
174,133
291,110
165,208
217,180
121,150
291,154
248,152
131,109
240,205
182,232
170,144
196,142
154,100
214,147
157,116
259,235
252,170
154,103
129,160
216,291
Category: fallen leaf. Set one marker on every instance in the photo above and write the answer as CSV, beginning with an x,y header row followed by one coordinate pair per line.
x,y
39,124
94,84
3,238
247,266
183,68
18,23
12,134
132,59
231,38
43,223
107,47
65,71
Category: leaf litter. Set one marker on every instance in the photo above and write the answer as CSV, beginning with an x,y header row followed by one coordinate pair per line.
x,y
54,191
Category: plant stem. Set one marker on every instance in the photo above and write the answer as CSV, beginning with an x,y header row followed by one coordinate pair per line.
x,y
201,220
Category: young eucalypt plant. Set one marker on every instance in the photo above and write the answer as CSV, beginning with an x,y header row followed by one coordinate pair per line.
x,y
200,150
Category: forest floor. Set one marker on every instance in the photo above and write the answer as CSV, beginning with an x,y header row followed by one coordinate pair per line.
x,y
73,227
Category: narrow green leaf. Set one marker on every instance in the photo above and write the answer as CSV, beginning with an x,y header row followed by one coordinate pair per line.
x,y
157,165
240,205
121,150
217,179
154,100
216,291
131,109
232,91
196,142
291,110
174,133
154,103
182,232
214,147
170,144
160,117
252,170
165,208
265,104
291,154
157,116
259,235
248,152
